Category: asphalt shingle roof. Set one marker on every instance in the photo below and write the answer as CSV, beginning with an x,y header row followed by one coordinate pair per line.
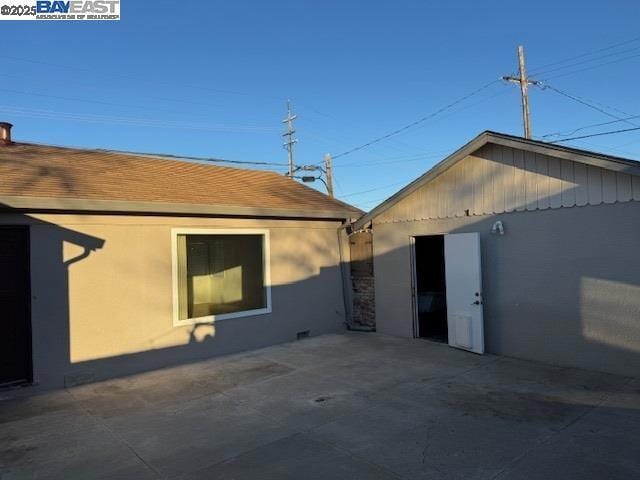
x,y
30,170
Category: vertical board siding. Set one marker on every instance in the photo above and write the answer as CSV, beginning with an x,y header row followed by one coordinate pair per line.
x,y
624,187
477,185
490,170
519,180
510,188
581,181
500,170
555,183
361,250
609,188
531,182
500,179
423,203
568,183
441,197
430,197
467,186
635,182
594,185
542,167
451,188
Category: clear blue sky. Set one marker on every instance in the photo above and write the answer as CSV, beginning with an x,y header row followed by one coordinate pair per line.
x,y
212,79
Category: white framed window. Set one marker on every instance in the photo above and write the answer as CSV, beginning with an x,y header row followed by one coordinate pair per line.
x,y
219,274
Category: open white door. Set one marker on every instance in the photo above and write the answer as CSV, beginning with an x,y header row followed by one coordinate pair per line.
x,y
464,291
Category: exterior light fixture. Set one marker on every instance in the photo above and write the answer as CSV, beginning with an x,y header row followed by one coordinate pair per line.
x,y
497,228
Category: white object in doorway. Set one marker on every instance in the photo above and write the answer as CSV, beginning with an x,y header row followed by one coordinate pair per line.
x,y
464,291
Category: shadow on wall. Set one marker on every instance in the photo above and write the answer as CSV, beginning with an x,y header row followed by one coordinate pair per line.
x,y
286,322
297,307
560,286
49,268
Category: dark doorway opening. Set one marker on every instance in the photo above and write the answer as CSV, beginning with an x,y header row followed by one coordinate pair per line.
x,y
430,288
15,311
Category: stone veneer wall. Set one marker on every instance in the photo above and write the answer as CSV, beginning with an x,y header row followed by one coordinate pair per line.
x,y
364,302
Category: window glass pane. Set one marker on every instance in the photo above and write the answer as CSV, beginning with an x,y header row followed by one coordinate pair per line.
x,y
220,274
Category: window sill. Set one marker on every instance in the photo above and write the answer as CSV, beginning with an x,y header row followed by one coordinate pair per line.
x,y
217,318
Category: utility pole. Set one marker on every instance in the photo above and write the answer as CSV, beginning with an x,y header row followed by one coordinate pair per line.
x,y
524,83
289,134
327,169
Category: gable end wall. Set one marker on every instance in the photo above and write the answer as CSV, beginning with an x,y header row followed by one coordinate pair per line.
x,y
499,179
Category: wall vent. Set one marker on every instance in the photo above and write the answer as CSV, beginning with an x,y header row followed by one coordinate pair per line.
x,y
303,334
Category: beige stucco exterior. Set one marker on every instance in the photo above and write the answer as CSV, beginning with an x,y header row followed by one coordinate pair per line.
x,y
102,298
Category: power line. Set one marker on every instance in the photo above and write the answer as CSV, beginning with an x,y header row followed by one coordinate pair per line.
x,y
576,130
596,135
166,155
85,85
417,122
374,202
383,157
538,70
373,189
87,100
592,67
584,102
187,157
396,144
396,160
563,67
142,77
133,121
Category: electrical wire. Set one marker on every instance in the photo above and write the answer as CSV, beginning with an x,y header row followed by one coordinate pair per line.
x,y
391,162
188,157
133,121
87,86
374,189
141,77
592,67
87,100
586,103
538,70
576,130
596,135
374,202
417,122
563,67
169,156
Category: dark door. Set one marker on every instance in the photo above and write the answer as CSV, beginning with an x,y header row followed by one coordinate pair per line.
x,y
15,321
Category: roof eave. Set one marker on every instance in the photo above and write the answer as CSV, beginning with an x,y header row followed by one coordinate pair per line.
x,y
41,204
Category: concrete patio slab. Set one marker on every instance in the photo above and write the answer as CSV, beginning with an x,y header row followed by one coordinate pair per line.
x,y
338,406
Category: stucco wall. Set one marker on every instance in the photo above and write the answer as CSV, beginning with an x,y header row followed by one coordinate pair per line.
x,y
102,293
561,286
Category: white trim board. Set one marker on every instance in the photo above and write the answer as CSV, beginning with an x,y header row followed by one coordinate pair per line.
x,y
266,256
